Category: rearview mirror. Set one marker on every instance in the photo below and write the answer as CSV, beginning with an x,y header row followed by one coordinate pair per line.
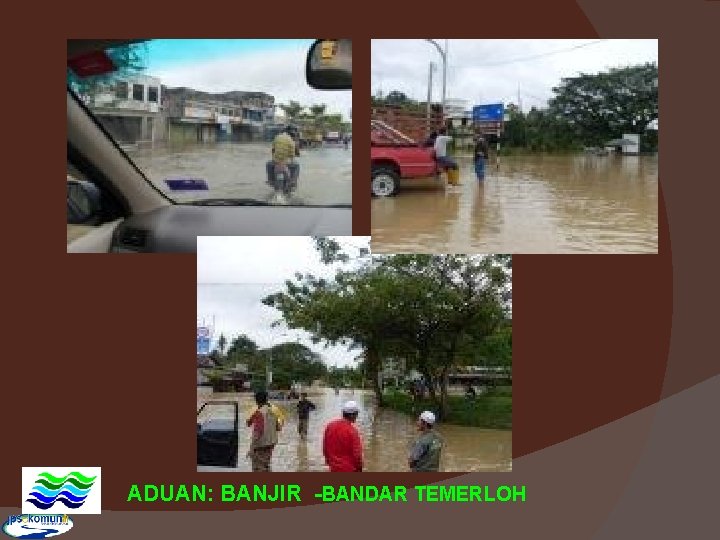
x,y
329,64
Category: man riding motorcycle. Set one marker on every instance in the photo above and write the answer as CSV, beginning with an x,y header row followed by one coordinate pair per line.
x,y
284,150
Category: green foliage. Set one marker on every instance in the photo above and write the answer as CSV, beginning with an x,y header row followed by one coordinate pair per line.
x,y
294,362
399,100
494,349
603,106
344,376
318,110
589,110
487,410
290,362
422,307
316,119
292,109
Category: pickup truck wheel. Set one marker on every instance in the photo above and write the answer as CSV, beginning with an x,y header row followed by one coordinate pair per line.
x,y
384,182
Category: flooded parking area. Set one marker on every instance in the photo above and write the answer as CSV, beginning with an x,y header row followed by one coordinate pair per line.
x,y
386,435
528,204
237,170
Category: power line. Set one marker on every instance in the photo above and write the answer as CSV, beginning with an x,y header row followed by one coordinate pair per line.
x,y
541,55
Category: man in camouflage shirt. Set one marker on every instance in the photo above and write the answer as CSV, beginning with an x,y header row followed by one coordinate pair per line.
x,y
425,452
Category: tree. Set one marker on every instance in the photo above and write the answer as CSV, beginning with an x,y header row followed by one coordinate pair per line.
x,y
294,362
318,110
444,301
222,342
242,349
421,306
396,98
292,109
349,310
603,106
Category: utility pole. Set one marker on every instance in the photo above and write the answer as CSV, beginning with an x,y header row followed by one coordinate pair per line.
x,y
444,76
443,55
429,98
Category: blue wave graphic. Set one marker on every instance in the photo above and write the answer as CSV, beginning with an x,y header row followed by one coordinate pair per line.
x,y
67,494
37,533
55,492
63,500
71,490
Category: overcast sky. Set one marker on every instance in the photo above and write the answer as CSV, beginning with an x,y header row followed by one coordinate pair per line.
x,y
235,273
276,67
491,71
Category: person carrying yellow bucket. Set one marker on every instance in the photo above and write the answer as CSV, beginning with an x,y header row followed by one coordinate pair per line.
x,y
442,158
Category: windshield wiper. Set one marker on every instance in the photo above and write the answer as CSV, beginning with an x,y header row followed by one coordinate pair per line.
x,y
229,202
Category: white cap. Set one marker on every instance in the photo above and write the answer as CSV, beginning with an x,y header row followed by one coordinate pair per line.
x,y
427,417
350,407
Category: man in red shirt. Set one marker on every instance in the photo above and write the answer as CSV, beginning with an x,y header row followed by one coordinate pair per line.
x,y
342,446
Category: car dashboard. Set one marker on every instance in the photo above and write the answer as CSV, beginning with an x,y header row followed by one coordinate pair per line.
x,y
173,229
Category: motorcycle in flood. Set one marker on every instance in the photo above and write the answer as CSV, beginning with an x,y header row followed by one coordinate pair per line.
x,y
283,180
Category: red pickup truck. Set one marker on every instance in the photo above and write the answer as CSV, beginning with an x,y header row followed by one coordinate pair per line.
x,y
394,156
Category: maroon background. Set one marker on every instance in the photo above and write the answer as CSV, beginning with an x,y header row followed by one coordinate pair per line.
x,y
98,349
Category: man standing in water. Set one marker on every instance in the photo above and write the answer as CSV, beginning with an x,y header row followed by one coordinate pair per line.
x,y
265,426
441,155
342,446
479,156
304,407
425,453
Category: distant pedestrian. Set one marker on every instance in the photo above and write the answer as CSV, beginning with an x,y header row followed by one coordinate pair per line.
x,y
425,452
266,423
342,446
480,155
304,406
470,392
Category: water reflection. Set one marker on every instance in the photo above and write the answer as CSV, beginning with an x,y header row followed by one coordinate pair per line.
x,y
386,436
529,204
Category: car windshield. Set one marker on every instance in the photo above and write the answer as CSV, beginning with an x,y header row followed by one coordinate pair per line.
x,y
199,118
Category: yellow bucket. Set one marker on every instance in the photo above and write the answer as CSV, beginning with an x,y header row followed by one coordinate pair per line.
x,y
453,176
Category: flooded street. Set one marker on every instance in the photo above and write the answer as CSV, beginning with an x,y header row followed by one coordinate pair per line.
x,y
237,170
531,204
386,436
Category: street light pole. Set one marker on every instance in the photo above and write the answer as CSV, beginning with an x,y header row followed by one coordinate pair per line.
x,y
443,55
429,97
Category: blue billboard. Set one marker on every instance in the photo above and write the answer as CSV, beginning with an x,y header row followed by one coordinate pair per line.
x,y
203,340
488,113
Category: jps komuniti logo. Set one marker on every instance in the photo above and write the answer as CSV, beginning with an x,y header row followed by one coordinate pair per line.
x,y
37,526
66,490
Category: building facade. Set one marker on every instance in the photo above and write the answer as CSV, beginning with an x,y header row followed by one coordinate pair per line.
x,y
192,116
139,110
128,108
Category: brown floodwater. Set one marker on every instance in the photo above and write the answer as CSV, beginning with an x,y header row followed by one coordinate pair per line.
x,y
386,434
529,204
237,170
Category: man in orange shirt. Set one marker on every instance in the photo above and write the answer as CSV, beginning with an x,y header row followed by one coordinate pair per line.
x,y
342,446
